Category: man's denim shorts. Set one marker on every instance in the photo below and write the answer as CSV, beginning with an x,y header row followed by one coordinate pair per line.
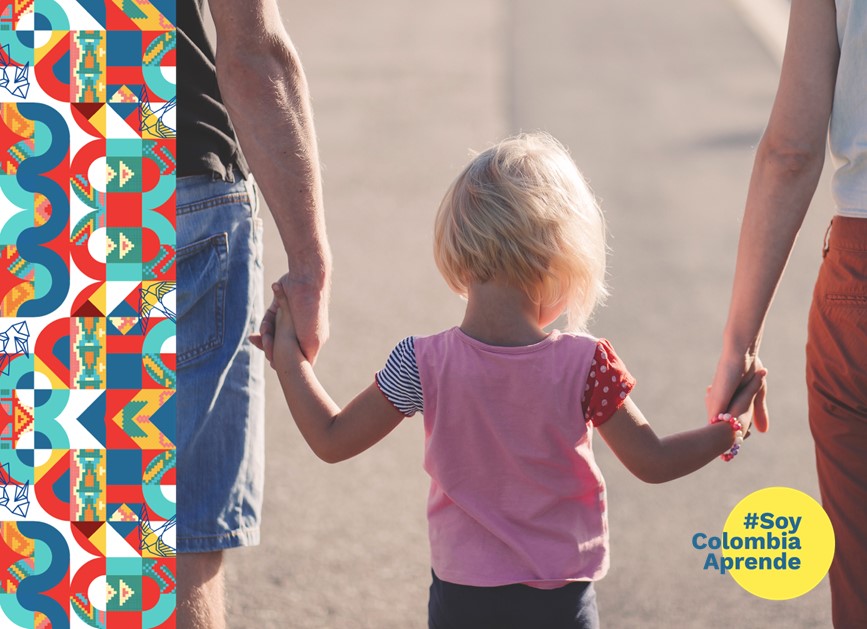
x,y
220,395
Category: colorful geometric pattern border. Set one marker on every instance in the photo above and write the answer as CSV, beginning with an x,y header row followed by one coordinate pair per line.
x,y
87,303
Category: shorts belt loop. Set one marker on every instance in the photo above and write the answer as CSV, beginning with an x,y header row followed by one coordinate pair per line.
x,y
826,245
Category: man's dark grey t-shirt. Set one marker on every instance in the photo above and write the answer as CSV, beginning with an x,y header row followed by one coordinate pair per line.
x,y
206,139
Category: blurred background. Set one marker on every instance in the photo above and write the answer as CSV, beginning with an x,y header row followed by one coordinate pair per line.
x,y
662,105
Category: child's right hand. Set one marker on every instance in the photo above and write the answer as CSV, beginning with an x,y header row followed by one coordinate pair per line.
x,y
285,339
656,460
732,374
742,404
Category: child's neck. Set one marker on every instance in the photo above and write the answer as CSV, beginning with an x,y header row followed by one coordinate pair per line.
x,y
500,314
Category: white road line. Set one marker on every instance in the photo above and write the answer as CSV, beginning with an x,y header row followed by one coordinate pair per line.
x,y
769,20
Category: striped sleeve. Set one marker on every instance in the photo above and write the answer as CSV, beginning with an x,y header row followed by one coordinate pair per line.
x,y
399,380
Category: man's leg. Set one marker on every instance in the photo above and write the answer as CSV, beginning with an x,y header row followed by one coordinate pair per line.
x,y
220,401
201,600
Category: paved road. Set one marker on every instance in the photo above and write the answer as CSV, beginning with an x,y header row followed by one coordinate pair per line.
x,y
661,104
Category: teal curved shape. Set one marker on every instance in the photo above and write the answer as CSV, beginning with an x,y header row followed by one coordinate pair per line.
x,y
161,193
55,434
46,423
159,506
12,611
54,13
159,613
159,225
54,405
19,52
159,87
16,223
14,193
20,371
157,335
22,473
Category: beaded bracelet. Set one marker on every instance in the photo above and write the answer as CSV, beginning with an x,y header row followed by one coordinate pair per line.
x,y
737,429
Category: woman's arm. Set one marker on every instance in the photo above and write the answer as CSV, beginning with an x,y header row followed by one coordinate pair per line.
x,y
334,434
786,171
658,460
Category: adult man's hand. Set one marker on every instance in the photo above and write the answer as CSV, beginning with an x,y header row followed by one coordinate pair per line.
x,y
308,303
265,92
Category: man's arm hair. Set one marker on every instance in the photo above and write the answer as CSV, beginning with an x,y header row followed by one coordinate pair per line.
x,y
265,92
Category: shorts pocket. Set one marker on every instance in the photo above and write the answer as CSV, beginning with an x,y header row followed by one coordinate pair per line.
x,y
203,272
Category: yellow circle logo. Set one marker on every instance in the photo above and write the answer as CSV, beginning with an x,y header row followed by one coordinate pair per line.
x,y
777,543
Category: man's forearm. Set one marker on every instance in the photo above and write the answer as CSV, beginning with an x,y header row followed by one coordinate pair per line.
x,y
265,92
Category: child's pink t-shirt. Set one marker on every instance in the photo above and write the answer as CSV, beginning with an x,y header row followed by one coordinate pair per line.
x,y
516,495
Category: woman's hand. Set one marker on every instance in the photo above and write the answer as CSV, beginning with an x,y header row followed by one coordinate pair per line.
x,y
740,387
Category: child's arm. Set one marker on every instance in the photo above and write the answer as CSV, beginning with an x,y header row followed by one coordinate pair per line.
x,y
333,434
656,460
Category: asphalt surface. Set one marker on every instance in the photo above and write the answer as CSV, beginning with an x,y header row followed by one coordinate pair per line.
x,y
661,105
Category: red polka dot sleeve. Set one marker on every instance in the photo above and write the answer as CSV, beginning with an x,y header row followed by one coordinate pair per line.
x,y
608,384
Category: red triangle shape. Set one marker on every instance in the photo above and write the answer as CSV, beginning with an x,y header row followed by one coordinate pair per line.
x,y
88,528
88,309
88,109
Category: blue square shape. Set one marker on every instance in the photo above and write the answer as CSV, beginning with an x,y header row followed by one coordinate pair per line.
x,y
123,467
124,48
123,371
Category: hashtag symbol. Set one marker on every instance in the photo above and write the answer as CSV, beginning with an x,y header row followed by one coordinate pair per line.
x,y
751,521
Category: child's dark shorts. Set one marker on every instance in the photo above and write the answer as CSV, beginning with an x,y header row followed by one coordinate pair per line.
x,y
517,606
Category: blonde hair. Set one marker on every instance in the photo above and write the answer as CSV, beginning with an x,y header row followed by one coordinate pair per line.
x,y
521,212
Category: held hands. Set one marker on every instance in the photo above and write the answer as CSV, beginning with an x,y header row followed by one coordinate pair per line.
x,y
739,387
306,307
743,404
281,339
740,421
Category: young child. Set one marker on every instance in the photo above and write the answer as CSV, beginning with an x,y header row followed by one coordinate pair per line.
x,y
517,508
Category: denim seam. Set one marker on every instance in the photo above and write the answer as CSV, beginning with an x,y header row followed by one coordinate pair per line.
x,y
247,536
233,533
220,243
226,199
